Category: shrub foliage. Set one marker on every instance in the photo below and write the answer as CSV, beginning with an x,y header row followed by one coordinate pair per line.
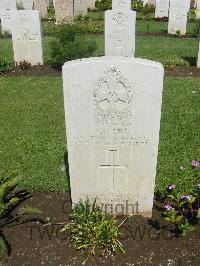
x,y
10,199
4,66
71,43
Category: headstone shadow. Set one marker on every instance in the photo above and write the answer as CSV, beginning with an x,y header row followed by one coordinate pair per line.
x,y
191,60
66,162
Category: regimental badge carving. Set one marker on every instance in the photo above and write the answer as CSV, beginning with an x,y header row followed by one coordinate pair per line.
x,y
113,96
120,19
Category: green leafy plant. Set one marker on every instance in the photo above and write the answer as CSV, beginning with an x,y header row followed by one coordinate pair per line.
x,y
82,18
103,5
24,65
183,209
178,33
71,43
4,66
147,28
196,29
92,230
137,5
170,65
92,27
10,199
191,14
6,34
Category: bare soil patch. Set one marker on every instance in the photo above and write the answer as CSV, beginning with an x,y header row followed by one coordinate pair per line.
x,y
146,241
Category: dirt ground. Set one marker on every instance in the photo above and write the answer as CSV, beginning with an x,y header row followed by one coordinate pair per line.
x,y
179,71
146,241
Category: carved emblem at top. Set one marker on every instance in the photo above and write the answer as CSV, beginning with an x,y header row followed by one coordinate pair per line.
x,y
113,96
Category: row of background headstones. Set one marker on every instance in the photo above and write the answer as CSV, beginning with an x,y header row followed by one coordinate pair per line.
x,y
119,37
66,10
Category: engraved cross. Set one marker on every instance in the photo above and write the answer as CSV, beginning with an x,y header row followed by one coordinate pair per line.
x,y
113,166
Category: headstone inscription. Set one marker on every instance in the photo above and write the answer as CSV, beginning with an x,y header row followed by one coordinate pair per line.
x,y
7,21
26,37
162,8
178,16
112,110
64,10
41,6
7,5
120,29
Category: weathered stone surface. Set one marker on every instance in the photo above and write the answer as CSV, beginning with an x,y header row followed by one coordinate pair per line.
x,y
162,8
7,21
178,16
80,7
27,4
63,10
91,4
197,9
152,2
112,110
198,56
41,6
7,5
27,41
120,29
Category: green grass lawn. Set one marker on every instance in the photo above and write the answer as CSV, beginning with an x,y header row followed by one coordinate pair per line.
x,y
32,132
142,26
163,49
142,23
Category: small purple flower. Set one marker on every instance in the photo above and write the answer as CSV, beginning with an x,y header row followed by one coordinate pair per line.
x,y
195,163
186,197
168,207
173,186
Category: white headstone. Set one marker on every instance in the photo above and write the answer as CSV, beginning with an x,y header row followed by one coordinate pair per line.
x,y
120,29
112,110
198,56
41,5
26,4
7,21
145,2
64,10
197,9
27,41
80,7
178,16
91,4
7,5
162,8
152,2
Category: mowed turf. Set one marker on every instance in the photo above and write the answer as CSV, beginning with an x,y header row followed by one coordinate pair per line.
x,y
32,132
167,50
